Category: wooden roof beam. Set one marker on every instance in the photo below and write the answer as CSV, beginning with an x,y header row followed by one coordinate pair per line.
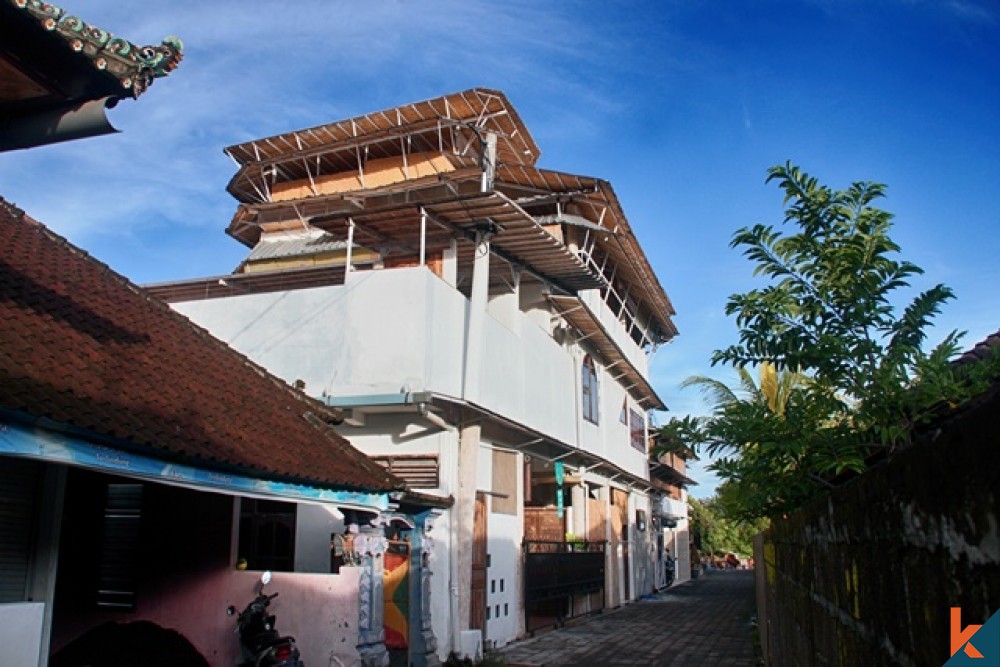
x,y
358,141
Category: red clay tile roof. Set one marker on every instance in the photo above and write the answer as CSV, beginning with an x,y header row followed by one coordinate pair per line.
x,y
82,346
982,350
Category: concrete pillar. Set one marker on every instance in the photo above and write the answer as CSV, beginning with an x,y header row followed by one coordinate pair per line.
x,y
46,556
371,544
465,509
424,650
579,503
475,329
468,445
449,264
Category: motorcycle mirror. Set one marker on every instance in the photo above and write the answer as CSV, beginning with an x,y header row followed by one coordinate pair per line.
x,y
265,578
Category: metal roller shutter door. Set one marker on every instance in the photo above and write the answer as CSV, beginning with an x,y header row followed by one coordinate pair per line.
x,y
19,479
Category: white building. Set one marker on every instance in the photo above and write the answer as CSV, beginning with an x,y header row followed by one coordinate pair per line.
x,y
671,522
485,327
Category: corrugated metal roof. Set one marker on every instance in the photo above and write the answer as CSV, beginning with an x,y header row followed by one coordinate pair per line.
x,y
332,147
297,245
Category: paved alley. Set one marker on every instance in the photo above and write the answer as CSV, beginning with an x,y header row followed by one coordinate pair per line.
x,y
705,622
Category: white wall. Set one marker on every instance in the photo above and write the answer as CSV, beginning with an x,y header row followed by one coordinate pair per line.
x,y
682,543
402,434
379,332
609,438
616,329
529,378
503,578
388,331
503,593
21,633
314,525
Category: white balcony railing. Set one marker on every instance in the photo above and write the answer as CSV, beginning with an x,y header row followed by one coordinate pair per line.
x,y
673,509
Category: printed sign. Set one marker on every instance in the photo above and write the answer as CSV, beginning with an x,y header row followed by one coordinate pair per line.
x,y
56,447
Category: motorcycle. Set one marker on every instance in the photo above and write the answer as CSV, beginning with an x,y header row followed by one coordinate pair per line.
x,y
261,644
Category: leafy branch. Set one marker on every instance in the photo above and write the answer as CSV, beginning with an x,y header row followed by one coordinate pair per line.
x,y
855,377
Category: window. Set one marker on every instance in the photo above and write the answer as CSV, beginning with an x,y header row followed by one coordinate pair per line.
x,y
505,471
623,415
589,389
637,431
267,534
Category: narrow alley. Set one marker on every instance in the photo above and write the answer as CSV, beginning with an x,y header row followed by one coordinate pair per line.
x,y
704,622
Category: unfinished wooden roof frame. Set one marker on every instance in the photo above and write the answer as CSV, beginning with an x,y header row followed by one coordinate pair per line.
x,y
426,178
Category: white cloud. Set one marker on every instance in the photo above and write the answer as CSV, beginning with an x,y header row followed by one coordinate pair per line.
x,y
973,12
260,68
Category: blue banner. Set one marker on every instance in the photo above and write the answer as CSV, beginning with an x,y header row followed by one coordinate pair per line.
x,y
54,447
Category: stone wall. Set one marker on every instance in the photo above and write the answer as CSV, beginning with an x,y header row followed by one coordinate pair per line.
x,y
867,576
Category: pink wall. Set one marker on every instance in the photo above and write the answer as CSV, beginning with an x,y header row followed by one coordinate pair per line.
x,y
187,579
319,610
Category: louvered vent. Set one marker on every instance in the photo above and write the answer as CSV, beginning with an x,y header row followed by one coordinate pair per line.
x,y
120,549
418,471
19,481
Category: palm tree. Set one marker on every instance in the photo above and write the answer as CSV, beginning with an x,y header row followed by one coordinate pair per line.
x,y
753,401
773,388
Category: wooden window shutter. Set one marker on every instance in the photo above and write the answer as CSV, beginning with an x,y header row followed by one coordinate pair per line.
x,y
419,471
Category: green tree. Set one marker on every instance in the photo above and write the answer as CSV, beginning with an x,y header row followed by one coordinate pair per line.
x,y
825,317
752,409
828,311
714,531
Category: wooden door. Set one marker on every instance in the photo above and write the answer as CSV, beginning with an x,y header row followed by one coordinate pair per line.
x,y
542,524
619,517
480,558
614,540
597,531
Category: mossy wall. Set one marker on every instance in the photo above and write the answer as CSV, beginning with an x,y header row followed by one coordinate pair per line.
x,y
868,575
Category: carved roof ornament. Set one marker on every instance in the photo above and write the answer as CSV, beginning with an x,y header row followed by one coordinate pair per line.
x,y
133,66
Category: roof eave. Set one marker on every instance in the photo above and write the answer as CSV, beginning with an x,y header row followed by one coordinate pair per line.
x,y
118,66
247,153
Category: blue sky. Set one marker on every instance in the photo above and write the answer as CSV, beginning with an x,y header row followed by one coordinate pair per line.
x,y
682,105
